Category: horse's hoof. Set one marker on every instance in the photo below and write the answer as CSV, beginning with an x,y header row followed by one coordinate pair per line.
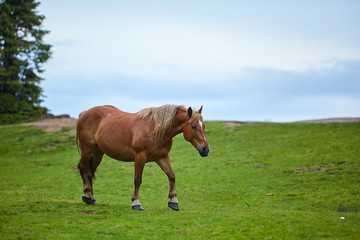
x,y
137,207
173,206
88,200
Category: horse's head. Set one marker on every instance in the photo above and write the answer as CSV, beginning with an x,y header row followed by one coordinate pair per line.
x,y
194,131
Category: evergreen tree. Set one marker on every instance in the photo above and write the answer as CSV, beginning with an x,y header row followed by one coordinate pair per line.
x,y
22,55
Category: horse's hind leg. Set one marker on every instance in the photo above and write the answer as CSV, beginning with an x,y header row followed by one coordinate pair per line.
x,y
84,167
90,160
96,160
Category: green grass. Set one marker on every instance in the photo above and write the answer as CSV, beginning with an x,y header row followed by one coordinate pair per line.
x,y
313,170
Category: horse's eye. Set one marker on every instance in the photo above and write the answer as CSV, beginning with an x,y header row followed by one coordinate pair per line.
x,y
193,127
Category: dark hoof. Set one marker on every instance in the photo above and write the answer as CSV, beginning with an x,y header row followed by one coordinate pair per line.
x,y
88,200
137,207
173,206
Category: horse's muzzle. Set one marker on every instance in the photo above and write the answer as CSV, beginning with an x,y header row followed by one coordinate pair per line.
x,y
203,151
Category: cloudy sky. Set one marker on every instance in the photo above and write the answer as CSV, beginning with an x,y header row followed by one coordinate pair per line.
x,y
274,61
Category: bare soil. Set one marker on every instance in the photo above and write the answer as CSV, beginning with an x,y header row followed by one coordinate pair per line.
x,y
53,124
328,120
235,123
325,120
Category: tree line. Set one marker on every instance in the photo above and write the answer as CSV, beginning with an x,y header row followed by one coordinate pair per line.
x,y
22,56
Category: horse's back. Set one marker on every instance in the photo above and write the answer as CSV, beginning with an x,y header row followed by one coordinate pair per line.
x,y
89,120
95,114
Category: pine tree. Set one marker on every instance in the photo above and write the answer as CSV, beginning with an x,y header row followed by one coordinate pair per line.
x,y
22,55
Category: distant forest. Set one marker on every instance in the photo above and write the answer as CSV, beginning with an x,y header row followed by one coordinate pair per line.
x,y
22,56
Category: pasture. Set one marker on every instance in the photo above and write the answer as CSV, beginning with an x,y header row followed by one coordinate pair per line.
x,y
311,170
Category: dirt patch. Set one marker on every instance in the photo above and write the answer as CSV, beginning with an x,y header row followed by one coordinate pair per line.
x,y
235,123
53,124
324,120
331,168
314,169
331,120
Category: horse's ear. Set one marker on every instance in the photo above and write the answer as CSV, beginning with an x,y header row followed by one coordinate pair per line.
x,y
200,109
189,112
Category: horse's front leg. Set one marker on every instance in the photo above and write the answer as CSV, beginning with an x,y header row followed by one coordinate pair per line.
x,y
140,160
165,165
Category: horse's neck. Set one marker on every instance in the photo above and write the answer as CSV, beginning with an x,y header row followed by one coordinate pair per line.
x,y
178,124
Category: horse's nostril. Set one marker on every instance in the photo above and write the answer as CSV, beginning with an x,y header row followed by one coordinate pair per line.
x,y
204,151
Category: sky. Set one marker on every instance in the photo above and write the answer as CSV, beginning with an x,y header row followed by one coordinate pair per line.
x,y
277,61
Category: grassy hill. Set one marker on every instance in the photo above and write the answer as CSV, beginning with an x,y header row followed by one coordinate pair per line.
x,y
260,181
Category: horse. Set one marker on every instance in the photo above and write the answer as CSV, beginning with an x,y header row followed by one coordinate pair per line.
x,y
145,136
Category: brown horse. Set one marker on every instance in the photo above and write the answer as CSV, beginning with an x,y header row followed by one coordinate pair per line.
x,y
140,137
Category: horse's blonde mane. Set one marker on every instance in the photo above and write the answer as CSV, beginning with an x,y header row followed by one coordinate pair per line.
x,y
161,116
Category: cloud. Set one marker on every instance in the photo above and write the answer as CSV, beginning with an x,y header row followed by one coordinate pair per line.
x,y
284,61
188,42
256,94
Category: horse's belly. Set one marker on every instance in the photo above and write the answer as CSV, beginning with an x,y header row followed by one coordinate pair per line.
x,y
115,142
121,153
125,156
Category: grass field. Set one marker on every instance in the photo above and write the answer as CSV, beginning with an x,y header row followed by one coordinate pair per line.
x,y
313,171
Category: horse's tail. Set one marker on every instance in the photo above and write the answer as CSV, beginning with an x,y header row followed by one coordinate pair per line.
x,y
77,136
90,166
77,143
77,168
